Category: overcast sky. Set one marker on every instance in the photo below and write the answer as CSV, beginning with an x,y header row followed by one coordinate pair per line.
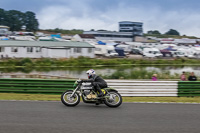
x,y
162,15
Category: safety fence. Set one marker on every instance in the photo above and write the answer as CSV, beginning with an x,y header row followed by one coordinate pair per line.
x,y
46,86
189,88
125,87
144,88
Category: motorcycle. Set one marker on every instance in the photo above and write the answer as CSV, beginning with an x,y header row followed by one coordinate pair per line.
x,y
110,97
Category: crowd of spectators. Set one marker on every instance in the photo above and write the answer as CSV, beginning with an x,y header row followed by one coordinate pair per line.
x,y
183,77
192,77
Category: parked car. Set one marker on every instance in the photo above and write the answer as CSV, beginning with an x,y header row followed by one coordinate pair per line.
x,y
136,51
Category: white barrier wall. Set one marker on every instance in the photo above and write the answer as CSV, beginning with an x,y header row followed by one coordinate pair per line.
x,y
145,88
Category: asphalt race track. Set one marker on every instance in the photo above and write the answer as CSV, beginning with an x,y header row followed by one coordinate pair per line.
x,y
54,117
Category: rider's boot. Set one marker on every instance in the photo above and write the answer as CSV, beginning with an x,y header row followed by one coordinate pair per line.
x,y
100,92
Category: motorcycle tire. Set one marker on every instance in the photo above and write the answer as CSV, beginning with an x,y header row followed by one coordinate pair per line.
x,y
68,101
110,101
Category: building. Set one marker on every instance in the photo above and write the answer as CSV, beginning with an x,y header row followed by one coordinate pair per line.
x,y
84,38
108,35
134,27
4,30
45,49
127,32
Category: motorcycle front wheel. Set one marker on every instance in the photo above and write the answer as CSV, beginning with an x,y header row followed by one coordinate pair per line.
x,y
113,99
69,100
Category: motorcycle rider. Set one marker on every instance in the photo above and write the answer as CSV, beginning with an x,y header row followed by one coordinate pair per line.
x,y
96,81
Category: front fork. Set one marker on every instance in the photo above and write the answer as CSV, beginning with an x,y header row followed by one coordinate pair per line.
x,y
72,95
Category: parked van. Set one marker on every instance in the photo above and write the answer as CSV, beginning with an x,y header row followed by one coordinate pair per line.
x,y
151,52
105,50
196,52
178,54
188,52
126,48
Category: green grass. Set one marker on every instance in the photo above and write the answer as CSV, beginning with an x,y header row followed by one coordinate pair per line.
x,y
44,97
84,61
40,97
141,74
163,99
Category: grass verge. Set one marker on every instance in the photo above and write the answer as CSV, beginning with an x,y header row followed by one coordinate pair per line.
x,y
45,97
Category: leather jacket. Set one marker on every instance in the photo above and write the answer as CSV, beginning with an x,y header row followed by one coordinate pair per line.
x,y
96,78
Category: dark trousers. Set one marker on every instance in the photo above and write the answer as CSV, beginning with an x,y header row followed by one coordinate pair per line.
x,y
98,86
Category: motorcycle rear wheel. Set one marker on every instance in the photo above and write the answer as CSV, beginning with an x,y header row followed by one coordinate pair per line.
x,y
68,100
114,100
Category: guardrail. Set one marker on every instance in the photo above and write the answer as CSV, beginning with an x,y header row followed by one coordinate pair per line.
x,y
125,87
189,88
33,75
45,86
144,88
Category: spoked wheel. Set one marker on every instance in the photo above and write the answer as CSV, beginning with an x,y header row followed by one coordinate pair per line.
x,y
68,100
113,99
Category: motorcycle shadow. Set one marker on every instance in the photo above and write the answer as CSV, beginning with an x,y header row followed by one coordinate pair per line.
x,y
90,105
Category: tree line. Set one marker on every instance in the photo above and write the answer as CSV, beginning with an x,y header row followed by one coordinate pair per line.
x,y
170,32
17,20
62,31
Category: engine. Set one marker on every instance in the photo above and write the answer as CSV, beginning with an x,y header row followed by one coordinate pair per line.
x,y
87,90
89,94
